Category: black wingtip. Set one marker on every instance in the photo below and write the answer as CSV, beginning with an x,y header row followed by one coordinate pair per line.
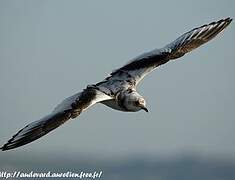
x,y
228,20
5,147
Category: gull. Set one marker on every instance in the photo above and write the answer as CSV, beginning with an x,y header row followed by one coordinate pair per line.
x,y
118,90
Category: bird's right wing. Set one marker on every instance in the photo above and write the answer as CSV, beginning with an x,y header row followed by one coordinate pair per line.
x,y
145,63
69,108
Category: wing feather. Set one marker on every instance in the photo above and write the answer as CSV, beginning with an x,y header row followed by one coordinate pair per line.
x,y
196,37
69,108
145,63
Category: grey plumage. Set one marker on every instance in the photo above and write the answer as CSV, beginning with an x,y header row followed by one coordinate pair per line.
x,y
118,90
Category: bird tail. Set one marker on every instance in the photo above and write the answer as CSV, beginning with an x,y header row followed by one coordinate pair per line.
x,y
36,129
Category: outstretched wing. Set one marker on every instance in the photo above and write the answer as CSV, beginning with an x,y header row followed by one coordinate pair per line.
x,y
69,108
195,38
144,64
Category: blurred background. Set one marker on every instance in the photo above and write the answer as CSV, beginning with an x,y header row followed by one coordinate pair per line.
x,y
50,50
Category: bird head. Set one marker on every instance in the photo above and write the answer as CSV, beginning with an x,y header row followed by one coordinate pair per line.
x,y
133,101
141,103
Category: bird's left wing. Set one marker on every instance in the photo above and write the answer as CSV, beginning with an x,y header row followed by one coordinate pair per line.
x,y
145,63
69,108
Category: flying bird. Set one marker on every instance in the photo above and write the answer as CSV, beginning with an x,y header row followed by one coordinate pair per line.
x,y
118,90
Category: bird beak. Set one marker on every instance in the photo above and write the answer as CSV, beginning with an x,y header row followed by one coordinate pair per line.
x,y
145,109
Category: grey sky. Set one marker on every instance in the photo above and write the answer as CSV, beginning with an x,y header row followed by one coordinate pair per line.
x,y
49,50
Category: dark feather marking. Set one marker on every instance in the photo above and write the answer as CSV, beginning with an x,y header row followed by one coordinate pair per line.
x,y
210,36
183,45
155,59
38,131
85,99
